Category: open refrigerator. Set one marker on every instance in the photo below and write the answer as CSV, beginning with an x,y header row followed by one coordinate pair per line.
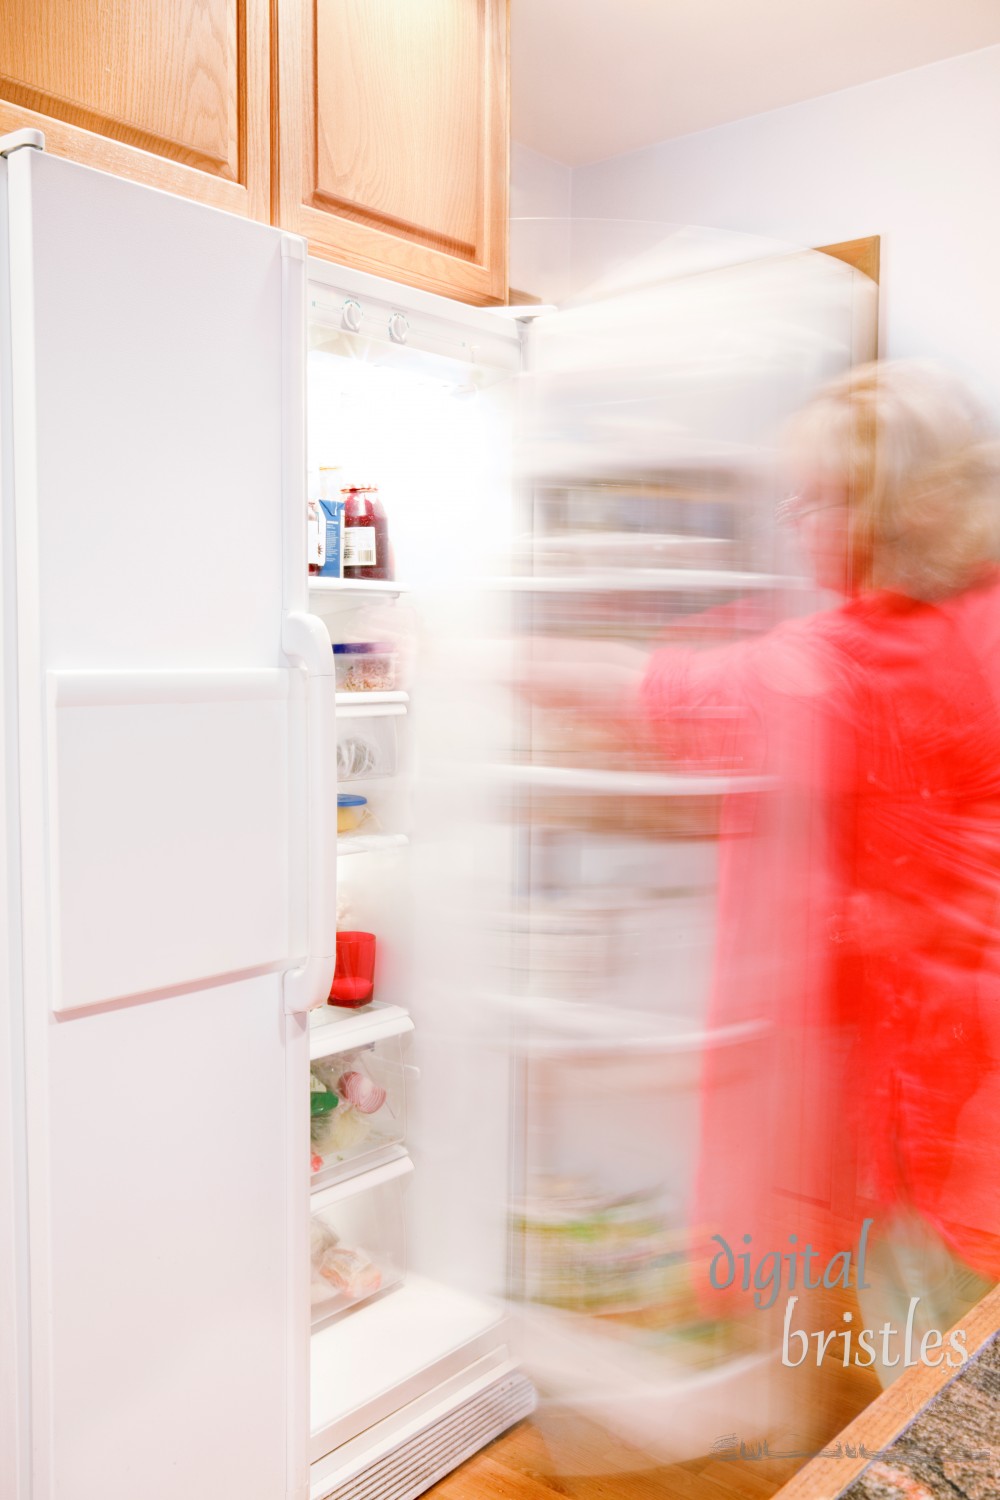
x,y
415,394
209,1289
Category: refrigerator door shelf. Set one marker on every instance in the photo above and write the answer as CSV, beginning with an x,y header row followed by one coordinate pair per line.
x,y
646,580
667,1410
572,780
552,1028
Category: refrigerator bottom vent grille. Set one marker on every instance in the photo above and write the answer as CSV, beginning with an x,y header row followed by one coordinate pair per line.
x,y
420,1461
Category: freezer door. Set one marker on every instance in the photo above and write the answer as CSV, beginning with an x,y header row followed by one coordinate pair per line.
x,y
171,705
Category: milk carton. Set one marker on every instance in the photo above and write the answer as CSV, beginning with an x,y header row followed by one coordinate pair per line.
x,y
331,524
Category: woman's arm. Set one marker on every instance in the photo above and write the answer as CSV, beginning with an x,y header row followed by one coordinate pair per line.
x,y
603,675
781,699
676,705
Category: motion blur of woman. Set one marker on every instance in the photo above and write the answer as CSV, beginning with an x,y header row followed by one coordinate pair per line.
x,y
872,940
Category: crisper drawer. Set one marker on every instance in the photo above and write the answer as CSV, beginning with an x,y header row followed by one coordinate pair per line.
x,y
366,745
358,1240
358,1107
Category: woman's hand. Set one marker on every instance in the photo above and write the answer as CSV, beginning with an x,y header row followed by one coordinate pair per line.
x,y
604,676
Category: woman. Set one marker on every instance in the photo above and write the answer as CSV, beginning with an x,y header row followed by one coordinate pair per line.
x,y
871,938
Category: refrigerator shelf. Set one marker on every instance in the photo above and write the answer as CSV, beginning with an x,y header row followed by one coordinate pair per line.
x,y
370,705
401,1165
356,586
370,843
616,459
392,1351
646,580
353,1170
573,780
343,1029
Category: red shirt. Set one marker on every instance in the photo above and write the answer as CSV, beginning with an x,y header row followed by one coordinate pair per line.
x,y
859,918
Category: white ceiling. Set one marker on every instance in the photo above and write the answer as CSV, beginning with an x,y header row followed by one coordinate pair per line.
x,y
593,78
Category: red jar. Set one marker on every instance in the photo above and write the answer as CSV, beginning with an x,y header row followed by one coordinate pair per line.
x,y
365,534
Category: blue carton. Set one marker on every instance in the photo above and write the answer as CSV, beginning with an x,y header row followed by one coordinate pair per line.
x,y
332,521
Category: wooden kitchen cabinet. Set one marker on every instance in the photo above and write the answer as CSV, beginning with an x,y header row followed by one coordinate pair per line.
x,y
392,138
174,93
378,129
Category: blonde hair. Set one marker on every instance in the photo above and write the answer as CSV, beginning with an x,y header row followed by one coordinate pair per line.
x,y
917,455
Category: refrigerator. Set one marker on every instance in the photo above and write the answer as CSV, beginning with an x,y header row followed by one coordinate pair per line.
x,y
205,1287
169,904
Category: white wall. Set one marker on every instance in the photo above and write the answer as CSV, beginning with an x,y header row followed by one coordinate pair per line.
x,y
914,158
540,188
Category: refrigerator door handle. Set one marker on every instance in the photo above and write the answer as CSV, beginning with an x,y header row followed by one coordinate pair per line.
x,y
305,641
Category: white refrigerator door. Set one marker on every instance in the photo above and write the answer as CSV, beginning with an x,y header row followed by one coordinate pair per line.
x,y
173,703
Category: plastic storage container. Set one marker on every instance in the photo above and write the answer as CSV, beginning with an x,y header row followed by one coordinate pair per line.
x,y
365,667
368,1119
351,810
358,1240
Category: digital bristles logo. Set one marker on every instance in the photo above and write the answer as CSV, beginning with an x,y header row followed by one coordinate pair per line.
x,y
730,1448
775,1271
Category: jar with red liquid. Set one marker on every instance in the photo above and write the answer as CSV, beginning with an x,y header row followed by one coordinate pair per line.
x,y
365,534
315,550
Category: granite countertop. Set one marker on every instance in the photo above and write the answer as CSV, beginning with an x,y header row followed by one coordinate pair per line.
x,y
951,1449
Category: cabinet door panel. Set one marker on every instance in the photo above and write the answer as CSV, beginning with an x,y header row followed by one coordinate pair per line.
x,y
174,95
393,138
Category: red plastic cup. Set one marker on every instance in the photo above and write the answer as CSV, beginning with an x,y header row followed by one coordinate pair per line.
x,y
354,976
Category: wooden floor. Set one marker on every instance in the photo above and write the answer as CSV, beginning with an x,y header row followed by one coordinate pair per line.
x,y
551,1455
562,1455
